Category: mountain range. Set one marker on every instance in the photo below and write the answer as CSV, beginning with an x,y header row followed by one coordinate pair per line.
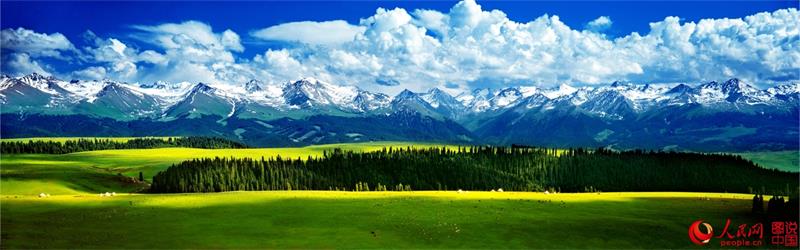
x,y
710,116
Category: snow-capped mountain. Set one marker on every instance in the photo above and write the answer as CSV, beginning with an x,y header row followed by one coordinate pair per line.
x,y
477,100
443,103
602,114
310,92
153,85
367,101
203,99
562,90
438,98
410,102
253,85
119,101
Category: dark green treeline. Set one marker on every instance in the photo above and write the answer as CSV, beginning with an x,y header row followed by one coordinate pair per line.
x,y
480,168
71,146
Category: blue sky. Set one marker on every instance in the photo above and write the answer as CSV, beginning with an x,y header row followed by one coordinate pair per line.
x,y
74,18
138,24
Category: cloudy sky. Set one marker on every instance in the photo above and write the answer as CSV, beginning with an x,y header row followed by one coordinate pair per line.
x,y
390,46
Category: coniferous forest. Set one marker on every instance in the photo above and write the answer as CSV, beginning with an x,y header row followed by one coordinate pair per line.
x,y
480,168
79,145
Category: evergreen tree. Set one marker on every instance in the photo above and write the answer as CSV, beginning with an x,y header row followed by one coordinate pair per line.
x,y
479,168
71,146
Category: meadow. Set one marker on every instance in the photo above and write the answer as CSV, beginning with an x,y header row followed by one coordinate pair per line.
x,y
324,219
75,216
97,171
782,160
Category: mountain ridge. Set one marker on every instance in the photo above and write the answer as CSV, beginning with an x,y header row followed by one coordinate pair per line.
x,y
612,114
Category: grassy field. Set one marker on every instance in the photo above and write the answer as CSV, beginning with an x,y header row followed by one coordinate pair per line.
x,y
782,160
303,219
75,216
96,171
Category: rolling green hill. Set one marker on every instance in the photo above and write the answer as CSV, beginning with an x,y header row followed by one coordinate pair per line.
x,y
96,171
75,216
781,160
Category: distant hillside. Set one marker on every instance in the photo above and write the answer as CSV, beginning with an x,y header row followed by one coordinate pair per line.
x,y
711,116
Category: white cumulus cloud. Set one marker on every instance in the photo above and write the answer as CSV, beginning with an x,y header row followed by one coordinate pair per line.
x,y
34,44
599,24
473,47
21,63
309,32
90,73
191,51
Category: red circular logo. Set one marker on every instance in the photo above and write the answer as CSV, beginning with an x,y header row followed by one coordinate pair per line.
x,y
697,236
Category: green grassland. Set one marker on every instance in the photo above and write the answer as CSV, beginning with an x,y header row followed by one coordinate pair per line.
x,y
75,216
781,160
309,219
96,171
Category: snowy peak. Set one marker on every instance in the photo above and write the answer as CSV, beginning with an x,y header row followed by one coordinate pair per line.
x,y
202,88
119,90
253,86
309,96
406,95
17,93
534,101
734,84
367,101
202,99
527,91
680,89
121,101
163,88
679,95
301,93
410,102
34,78
733,90
785,89
730,87
482,100
617,84
562,90
443,103
6,81
610,104
435,94
46,84
505,97
111,88
478,100
436,91
438,98
309,92
154,85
